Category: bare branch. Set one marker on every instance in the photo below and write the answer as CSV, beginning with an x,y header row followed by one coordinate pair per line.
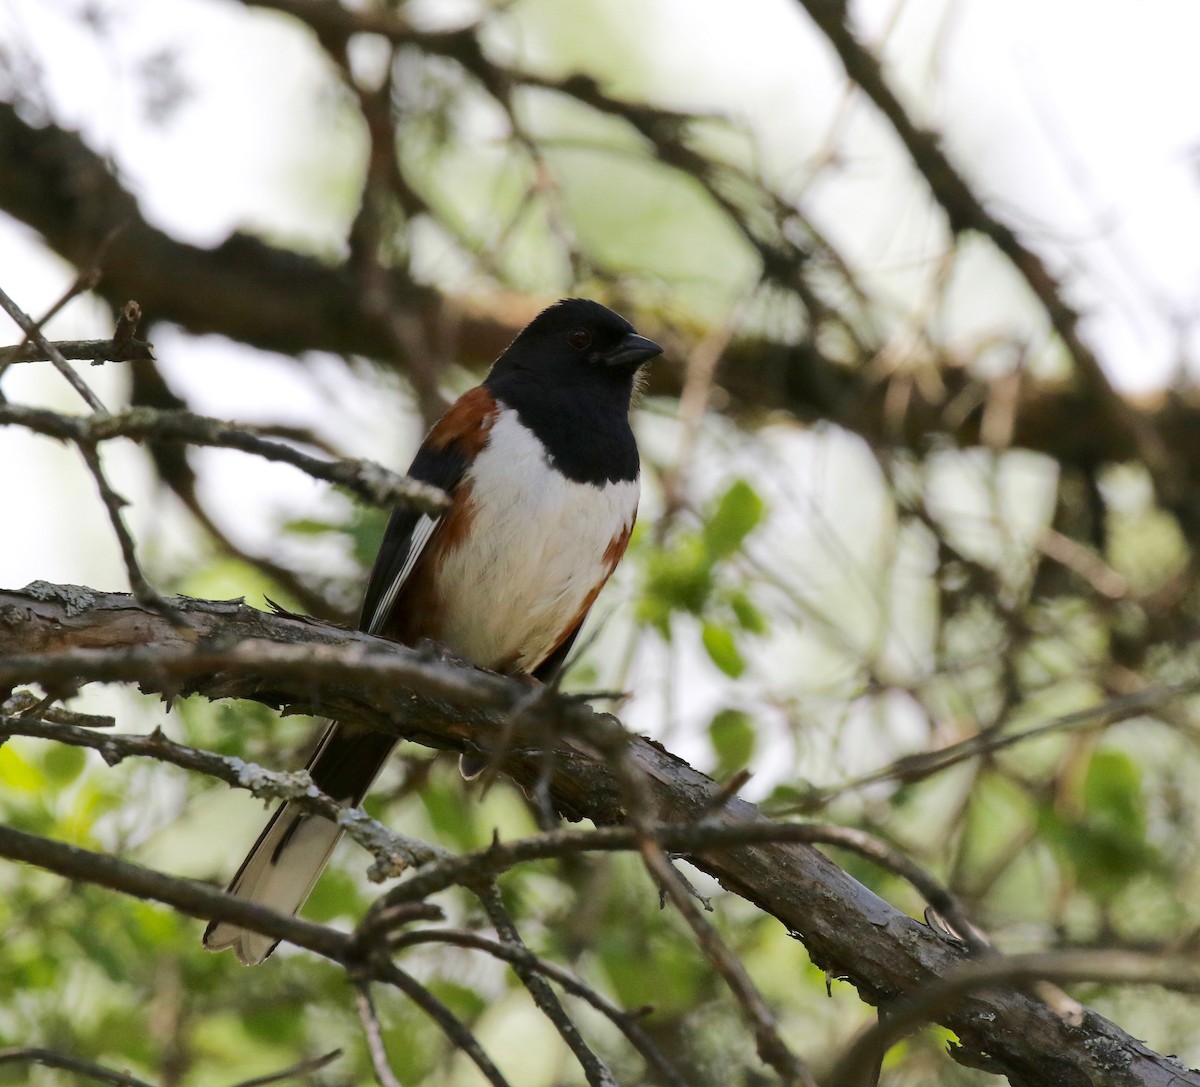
x,y
301,1068
24,703
772,1049
50,1058
910,768
1094,965
966,212
123,347
393,853
30,328
113,505
847,930
543,996
626,1022
204,902
641,808
278,300
375,1046
93,351
369,481
185,895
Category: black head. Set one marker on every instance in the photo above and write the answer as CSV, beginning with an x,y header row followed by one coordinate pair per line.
x,y
576,340
569,376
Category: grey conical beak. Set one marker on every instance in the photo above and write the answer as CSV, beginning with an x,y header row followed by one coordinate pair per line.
x,y
632,351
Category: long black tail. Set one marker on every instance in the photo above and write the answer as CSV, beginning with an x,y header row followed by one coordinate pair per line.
x,y
291,852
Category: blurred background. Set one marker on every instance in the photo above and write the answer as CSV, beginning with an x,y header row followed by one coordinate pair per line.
x,y
895,495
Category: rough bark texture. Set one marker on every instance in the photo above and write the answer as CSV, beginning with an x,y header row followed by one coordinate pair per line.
x,y
52,633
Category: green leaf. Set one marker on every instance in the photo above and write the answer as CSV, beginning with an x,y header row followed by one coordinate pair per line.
x,y
676,580
63,764
450,814
17,772
671,988
335,895
723,650
749,618
737,514
733,737
307,526
1112,792
1105,844
462,1000
366,530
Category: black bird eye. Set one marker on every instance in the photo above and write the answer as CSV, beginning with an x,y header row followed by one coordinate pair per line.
x,y
579,338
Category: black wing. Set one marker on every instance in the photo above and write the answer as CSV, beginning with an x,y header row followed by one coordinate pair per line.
x,y
407,533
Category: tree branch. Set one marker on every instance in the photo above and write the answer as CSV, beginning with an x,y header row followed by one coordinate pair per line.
x,y
393,853
301,1068
375,1046
123,347
368,480
594,1069
626,1022
966,212
50,1058
93,351
199,900
278,300
34,332
850,932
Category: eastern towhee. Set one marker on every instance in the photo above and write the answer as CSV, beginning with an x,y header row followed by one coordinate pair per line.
x,y
542,471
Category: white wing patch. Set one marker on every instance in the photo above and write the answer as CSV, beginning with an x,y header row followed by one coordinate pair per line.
x,y
421,532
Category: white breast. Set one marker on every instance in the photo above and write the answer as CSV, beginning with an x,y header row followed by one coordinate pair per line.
x,y
534,553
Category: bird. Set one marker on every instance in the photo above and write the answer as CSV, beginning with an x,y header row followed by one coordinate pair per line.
x,y
542,471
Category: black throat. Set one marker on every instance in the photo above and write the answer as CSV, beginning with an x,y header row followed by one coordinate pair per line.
x,y
584,426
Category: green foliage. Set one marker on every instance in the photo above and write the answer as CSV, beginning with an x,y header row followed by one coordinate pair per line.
x,y
733,737
722,649
363,529
738,512
696,575
62,765
1102,837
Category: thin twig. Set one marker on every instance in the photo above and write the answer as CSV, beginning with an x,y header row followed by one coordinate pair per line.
x,y
393,852
771,1047
146,594
375,1046
369,481
694,839
594,1069
911,768
626,1022
30,328
639,803
302,1068
27,704
451,1026
123,347
50,1058
438,869
966,212
84,281
200,900
93,351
